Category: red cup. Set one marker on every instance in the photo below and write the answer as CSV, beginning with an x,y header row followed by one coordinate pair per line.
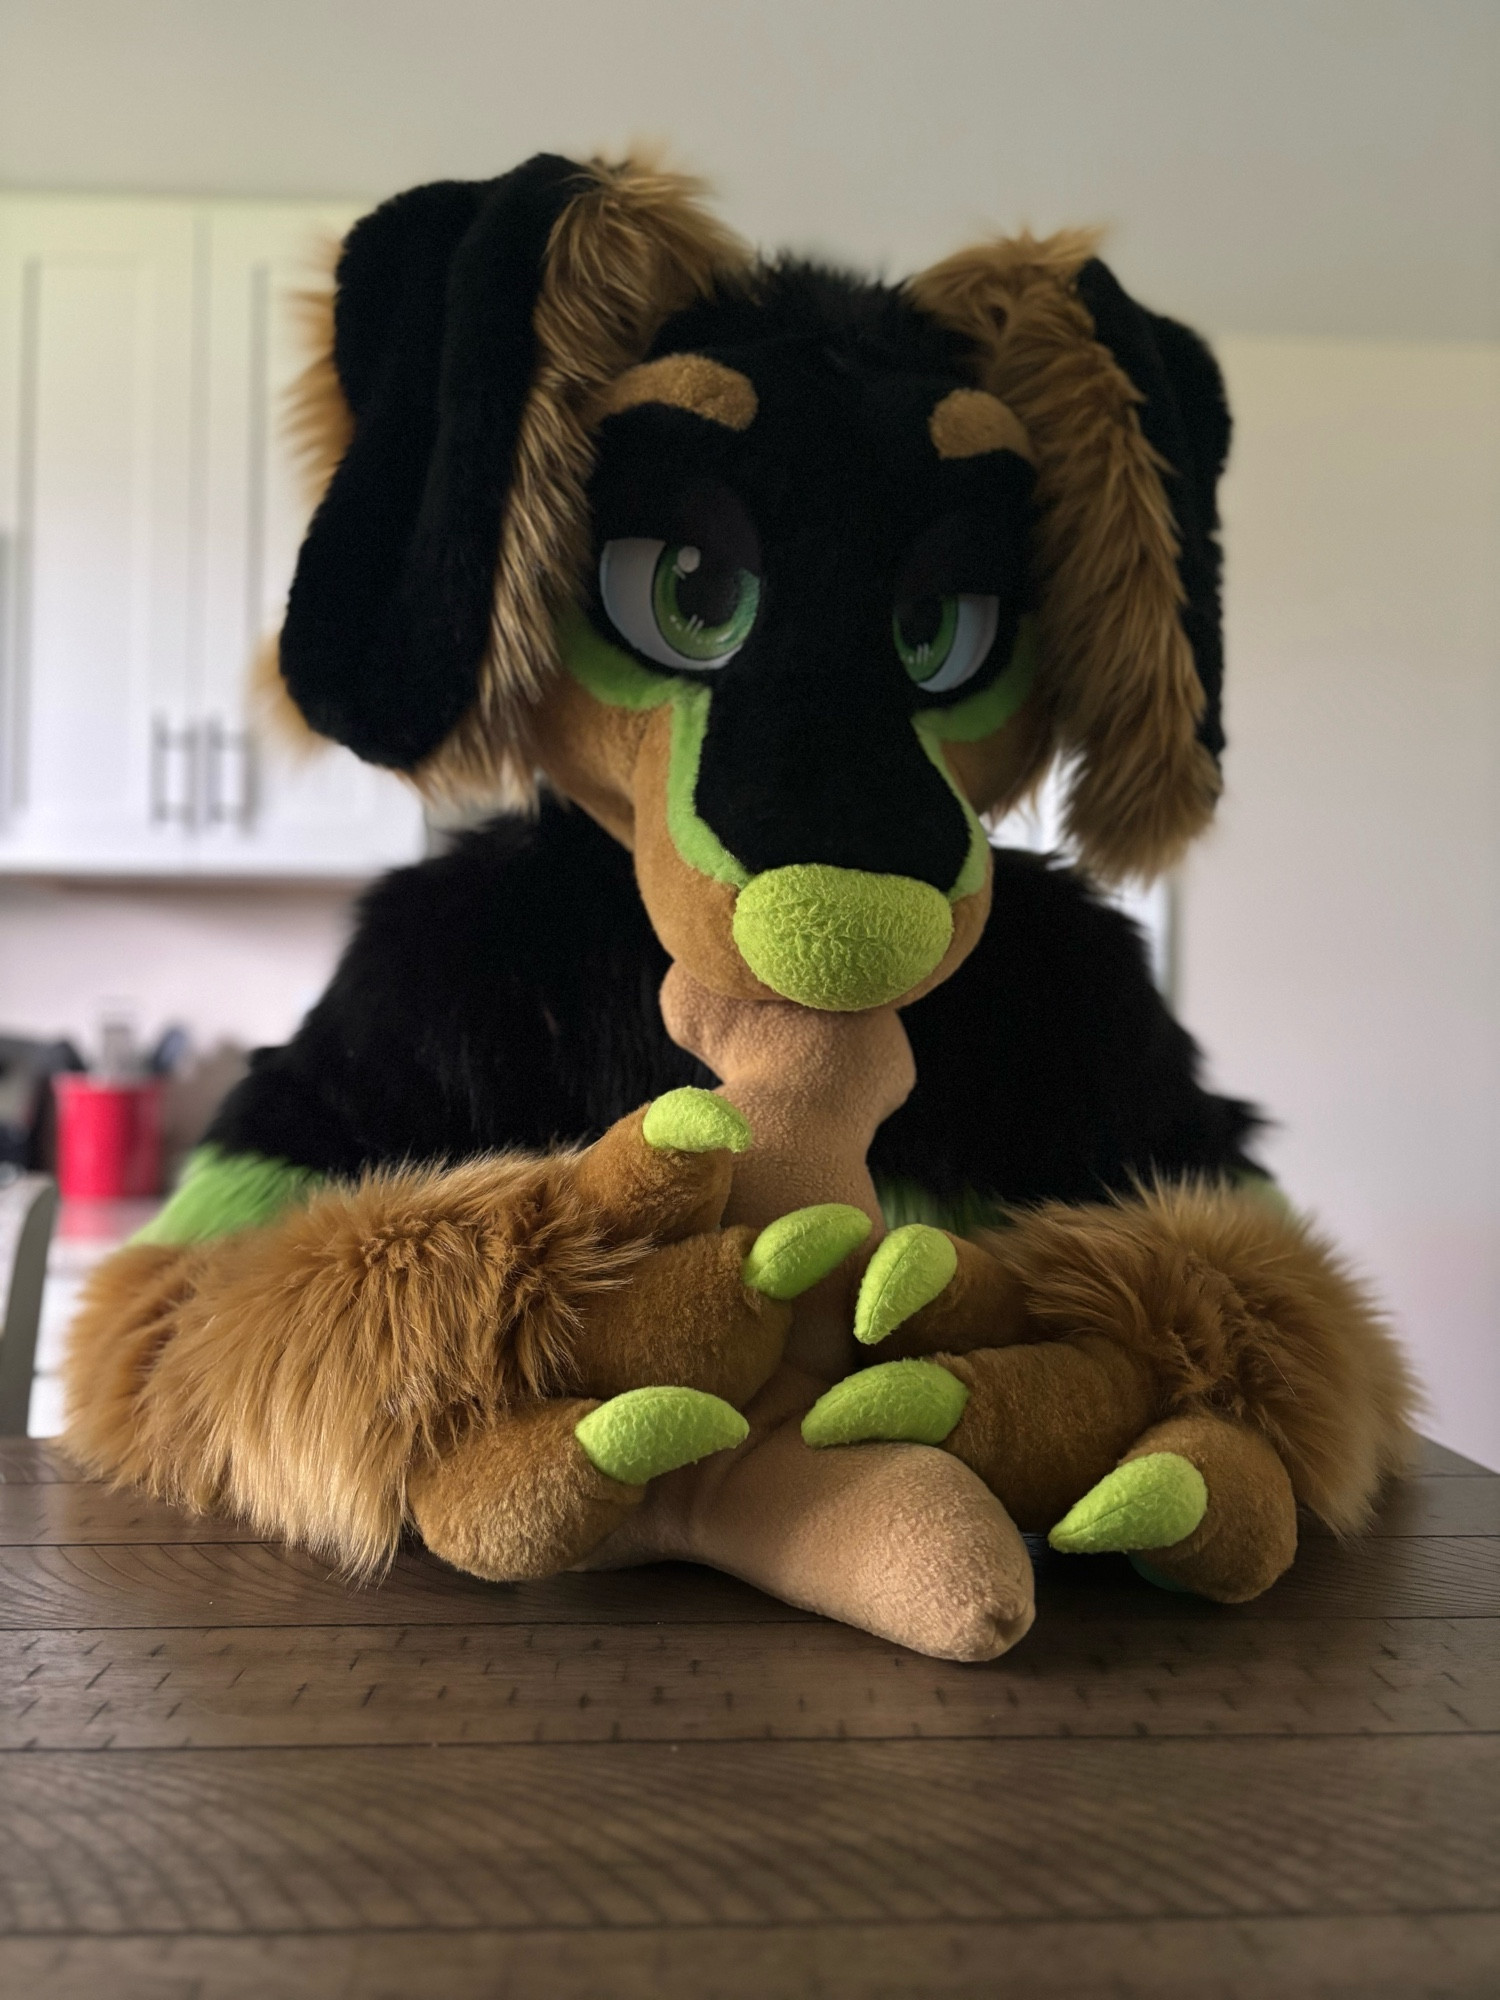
x,y
108,1137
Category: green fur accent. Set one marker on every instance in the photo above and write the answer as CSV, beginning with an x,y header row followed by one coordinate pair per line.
x,y
982,714
614,677
902,1202
697,843
970,722
609,675
1147,1503
1262,1188
840,939
645,1432
695,1121
796,1251
970,878
915,1402
220,1192
907,1272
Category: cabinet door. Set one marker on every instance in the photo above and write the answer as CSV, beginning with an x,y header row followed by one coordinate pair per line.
x,y
97,383
269,808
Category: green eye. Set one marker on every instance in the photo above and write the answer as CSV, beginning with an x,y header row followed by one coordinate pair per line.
x,y
676,603
944,641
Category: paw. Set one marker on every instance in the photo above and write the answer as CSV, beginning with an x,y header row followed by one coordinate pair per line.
x,y
915,1402
908,1271
1146,1503
796,1251
695,1121
646,1432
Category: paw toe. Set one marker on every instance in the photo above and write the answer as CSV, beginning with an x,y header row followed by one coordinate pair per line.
x,y
908,1271
695,1121
794,1252
645,1432
916,1402
1147,1503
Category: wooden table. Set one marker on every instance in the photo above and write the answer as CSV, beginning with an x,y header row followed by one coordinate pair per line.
x,y
225,1774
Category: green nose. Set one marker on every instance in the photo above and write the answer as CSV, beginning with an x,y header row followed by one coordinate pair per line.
x,y
838,938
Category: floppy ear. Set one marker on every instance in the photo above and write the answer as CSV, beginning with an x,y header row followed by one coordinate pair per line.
x,y
475,326
1126,412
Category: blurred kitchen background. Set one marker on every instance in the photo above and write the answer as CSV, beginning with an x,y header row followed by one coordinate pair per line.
x,y
1313,183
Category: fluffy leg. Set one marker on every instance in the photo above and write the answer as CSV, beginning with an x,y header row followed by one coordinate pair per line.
x,y
518,1497
1039,1423
531,1492
293,1372
1224,1299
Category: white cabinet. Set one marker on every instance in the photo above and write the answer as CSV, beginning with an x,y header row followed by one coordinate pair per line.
x,y
150,513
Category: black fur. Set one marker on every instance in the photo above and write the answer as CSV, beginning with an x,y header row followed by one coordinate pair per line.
x,y
810,755
505,995
389,614
1186,419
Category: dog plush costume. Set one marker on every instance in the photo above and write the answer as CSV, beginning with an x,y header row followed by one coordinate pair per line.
x,y
753,583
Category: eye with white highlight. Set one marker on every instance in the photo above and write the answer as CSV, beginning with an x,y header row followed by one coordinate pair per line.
x,y
944,641
676,603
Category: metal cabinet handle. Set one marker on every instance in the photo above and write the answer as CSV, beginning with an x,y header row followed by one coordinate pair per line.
x,y
168,743
223,808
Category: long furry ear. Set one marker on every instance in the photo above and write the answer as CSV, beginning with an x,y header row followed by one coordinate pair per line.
x,y
1126,412
475,327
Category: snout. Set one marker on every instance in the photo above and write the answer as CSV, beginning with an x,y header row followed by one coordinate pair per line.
x,y
841,939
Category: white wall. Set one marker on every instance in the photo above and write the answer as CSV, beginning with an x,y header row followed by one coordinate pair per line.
x,y
1270,165
238,963
237,967
1340,949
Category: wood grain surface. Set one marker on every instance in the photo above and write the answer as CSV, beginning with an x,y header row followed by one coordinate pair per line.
x,y
226,1773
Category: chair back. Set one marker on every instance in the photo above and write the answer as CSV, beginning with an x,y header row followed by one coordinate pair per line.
x,y
28,1211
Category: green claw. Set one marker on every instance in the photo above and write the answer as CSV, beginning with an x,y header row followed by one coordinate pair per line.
x,y
915,1402
1147,1503
792,1253
695,1121
907,1272
645,1432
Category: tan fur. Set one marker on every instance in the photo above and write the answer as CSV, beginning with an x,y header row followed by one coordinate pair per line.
x,y
686,382
968,422
815,1088
1117,665
1242,1311
272,705
1248,1537
291,1374
898,1539
316,421
1046,1420
517,1497
623,256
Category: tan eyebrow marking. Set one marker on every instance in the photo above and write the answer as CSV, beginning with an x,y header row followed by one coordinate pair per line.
x,y
968,422
686,382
